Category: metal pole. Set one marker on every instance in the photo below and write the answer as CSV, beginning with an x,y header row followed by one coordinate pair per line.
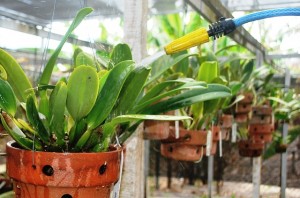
x,y
211,157
256,162
287,82
256,176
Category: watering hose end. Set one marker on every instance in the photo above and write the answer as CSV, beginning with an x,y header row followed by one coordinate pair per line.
x,y
192,39
221,27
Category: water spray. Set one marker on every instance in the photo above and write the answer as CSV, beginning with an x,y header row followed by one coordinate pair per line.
x,y
224,27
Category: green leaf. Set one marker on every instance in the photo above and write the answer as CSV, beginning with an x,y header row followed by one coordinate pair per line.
x,y
8,101
187,86
131,89
167,66
82,91
58,100
45,78
15,132
121,52
33,117
247,71
214,91
85,59
109,93
15,76
208,71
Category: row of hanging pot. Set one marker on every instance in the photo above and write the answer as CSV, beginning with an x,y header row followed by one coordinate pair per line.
x,y
181,144
259,122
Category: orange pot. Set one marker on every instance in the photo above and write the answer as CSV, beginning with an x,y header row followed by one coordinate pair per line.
x,y
182,152
262,110
226,121
248,97
243,107
156,130
241,117
261,119
250,148
265,137
189,137
261,128
57,175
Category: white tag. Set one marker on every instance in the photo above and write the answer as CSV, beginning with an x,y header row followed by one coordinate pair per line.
x,y
234,132
117,186
208,142
176,125
202,150
220,143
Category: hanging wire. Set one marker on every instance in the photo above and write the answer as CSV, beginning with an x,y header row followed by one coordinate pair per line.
x,y
40,72
48,39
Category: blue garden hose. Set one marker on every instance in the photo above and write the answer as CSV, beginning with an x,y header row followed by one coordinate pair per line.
x,y
223,27
266,14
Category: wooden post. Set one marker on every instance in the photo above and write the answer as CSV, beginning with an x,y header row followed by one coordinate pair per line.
x,y
135,29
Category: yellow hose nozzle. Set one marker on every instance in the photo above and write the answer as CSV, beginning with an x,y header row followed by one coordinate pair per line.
x,y
192,39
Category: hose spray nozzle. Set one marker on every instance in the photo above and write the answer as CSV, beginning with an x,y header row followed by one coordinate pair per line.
x,y
201,36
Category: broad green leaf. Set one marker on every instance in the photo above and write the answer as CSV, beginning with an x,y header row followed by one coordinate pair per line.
x,y
121,52
15,132
109,93
85,59
167,66
35,120
3,74
58,100
187,98
82,91
15,76
50,64
247,71
187,86
75,54
131,90
8,101
208,71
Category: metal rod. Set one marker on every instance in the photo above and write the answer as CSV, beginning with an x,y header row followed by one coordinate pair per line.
x,y
210,174
256,176
3,154
283,172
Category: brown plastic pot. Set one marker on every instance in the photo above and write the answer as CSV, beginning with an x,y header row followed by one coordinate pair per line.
x,y
182,152
188,137
250,148
62,175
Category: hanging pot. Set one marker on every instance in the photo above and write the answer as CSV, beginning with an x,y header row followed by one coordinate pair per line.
x,y
182,152
241,117
226,121
248,97
261,128
262,110
62,175
189,137
250,148
157,129
243,107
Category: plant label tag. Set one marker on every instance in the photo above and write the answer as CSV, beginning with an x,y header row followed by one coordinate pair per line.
x,y
220,143
117,186
234,132
208,142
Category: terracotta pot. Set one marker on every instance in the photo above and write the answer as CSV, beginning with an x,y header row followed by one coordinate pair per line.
x,y
226,121
62,175
243,107
213,149
156,130
248,98
265,137
261,128
261,119
250,148
215,133
241,117
262,110
188,137
182,152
